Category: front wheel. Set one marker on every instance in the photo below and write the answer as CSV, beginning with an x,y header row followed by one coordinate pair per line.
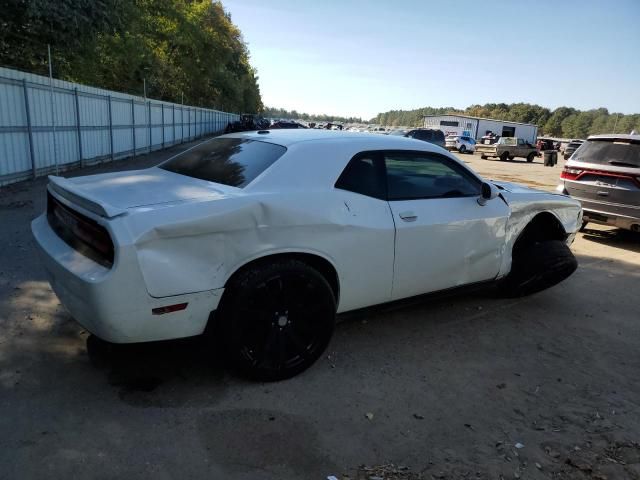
x,y
483,157
538,266
530,157
277,319
462,149
504,157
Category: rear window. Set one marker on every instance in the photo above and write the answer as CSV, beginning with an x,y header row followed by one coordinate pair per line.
x,y
228,161
618,153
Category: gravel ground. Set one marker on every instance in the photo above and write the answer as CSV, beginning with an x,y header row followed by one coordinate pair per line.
x,y
463,387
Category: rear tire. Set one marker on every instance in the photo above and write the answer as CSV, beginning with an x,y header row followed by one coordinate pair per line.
x,y
505,156
538,266
530,157
483,157
277,319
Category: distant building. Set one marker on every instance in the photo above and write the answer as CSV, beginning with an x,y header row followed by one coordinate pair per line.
x,y
477,127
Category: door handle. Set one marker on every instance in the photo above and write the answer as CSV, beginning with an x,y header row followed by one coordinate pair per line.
x,y
408,216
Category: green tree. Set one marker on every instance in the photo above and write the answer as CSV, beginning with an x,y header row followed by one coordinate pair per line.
x,y
188,47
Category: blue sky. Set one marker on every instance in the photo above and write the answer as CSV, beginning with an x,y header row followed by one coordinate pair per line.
x,y
357,57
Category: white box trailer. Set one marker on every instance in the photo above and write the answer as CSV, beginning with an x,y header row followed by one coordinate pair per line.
x,y
477,127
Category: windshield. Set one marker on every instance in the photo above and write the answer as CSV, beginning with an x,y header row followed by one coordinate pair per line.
x,y
228,161
622,153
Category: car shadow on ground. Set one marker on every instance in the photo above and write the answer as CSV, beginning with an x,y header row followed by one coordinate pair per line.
x,y
137,370
617,237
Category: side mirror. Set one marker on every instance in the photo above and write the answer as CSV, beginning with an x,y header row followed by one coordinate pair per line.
x,y
489,192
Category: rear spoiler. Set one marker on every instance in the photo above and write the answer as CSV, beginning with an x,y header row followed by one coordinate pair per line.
x,y
76,195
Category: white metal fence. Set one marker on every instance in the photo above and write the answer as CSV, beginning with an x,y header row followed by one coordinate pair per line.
x,y
63,125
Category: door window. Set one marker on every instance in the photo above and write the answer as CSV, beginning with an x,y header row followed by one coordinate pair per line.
x,y
364,175
423,175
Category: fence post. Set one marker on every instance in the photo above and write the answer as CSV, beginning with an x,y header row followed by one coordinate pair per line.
x,y
29,130
133,126
162,106
110,126
189,124
149,124
173,122
78,127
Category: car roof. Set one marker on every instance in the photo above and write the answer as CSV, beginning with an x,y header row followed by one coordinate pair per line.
x,y
614,136
288,137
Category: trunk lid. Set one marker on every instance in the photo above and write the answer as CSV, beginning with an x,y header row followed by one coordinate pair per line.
x,y
111,194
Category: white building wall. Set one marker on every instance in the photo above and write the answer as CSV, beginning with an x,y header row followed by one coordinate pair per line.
x,y
479,127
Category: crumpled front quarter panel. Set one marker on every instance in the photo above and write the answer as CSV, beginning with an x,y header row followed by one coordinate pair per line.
x,y
525,204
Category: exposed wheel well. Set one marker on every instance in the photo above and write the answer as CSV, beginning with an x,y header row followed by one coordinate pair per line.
x,y
323,266
544,226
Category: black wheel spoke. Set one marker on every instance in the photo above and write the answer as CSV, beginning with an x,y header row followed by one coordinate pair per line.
x,y
298,344
282,351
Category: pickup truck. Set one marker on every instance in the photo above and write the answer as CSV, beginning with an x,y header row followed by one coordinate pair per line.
x,y
507,148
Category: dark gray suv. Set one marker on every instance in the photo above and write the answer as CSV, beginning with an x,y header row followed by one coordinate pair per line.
x,y
604,174
428,135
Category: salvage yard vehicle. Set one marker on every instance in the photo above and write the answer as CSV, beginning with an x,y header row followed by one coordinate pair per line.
x,y
246,123
430,135
604,174
507,148
262,237
461,143
571,147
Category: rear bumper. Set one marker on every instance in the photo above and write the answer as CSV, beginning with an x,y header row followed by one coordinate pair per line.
x,y
114,303
606,213
613,219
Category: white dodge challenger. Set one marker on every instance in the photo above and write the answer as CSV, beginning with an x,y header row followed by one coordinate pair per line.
x,y
262,237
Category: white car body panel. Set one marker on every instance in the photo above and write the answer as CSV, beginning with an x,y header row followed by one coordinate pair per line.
x,y
179,239
452,242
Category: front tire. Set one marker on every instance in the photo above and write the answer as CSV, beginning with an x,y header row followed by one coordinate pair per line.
x,y
538,266
530,157
505,156
462,149
277,319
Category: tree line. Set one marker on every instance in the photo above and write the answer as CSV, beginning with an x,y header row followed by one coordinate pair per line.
x,y
562,122
272,112
182,49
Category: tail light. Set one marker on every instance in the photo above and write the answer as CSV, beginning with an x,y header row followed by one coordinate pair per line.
x,y
569,173
80,232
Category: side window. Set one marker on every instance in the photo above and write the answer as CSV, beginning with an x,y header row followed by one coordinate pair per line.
x,y
423,175
364,174
520,142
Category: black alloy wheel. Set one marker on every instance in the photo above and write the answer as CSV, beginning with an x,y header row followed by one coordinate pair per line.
x,y
278,319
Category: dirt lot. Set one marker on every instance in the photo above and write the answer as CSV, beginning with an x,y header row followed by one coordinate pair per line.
x,y
465,387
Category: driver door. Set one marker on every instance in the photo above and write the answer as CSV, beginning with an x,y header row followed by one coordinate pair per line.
x,y
444,237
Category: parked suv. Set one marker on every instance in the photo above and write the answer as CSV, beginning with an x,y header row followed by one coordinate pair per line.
x,y
428,135
604,174
460,143
572,147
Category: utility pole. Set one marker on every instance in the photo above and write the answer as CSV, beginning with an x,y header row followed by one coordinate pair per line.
x,y
53,110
